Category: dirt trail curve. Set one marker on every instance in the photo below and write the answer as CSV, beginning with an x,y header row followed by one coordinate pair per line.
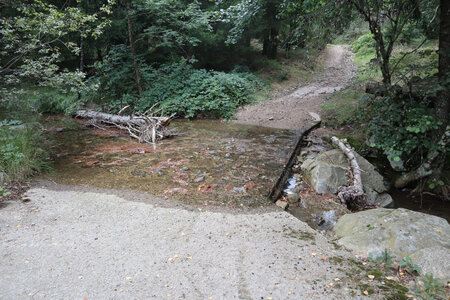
x,y
292,110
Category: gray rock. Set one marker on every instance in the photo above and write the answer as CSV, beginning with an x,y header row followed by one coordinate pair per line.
x,y
239,189
293,197
328,171
402,232
282,204
430,260
381,200
315,116
199,179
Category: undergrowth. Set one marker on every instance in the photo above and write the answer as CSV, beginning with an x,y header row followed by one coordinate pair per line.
x,y
177,87
22,150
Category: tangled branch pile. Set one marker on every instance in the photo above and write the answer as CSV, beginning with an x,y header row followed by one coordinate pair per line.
x,y
146,127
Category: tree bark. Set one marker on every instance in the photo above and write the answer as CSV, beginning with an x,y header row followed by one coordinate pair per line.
x,y
95,115
133,50
353,196
81,53
270,42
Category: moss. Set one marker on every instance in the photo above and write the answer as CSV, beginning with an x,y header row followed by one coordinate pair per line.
x,y
299,234
336,260
341,107
377,273
336,246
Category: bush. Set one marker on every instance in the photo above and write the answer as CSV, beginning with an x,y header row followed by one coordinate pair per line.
x,y
53,101
21,150
404,128
176,87
364,46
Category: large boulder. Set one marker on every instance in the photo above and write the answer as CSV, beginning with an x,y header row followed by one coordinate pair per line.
x,y
328,171
424,238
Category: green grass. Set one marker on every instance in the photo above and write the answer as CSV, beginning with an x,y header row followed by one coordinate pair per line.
x,y
22,151
341,107
31,98
289,70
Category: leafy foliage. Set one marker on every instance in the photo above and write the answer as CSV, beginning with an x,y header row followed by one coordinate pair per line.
x,y
385,258
32,36
403,128
21,150
431,288
177,87
409,265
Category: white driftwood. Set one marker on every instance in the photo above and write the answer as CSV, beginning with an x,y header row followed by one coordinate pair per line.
x,y
117,119
146,127
352,195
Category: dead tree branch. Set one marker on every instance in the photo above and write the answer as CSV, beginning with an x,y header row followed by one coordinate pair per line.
x,y
353,196
146,128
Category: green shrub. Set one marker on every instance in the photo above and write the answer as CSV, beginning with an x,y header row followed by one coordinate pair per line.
x,y
364,46
21,150
53,101
431,288
178,88
403,128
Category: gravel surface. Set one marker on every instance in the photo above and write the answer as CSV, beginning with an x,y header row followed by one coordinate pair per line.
x,y
84,245
292,110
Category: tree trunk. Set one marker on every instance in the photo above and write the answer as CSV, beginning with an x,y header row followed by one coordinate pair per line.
x,y
81,53
133,50
270,42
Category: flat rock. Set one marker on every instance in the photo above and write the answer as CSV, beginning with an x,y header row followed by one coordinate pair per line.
x,y
380,200
282,204
328,171
402,232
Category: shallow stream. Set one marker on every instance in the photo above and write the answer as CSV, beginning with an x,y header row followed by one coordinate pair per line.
x,y
211,162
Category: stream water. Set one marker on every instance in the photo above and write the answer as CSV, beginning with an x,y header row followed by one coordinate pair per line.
x,y
210,163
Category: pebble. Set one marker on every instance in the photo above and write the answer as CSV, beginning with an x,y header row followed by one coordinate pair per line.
x,y
239,189
199,179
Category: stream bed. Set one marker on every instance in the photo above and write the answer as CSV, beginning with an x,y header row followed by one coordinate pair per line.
x,y
211,162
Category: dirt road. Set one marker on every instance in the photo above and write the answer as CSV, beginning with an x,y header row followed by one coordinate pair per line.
x,y
292,110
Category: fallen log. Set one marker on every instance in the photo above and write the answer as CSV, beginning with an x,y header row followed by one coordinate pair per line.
x,y
353,196
146,127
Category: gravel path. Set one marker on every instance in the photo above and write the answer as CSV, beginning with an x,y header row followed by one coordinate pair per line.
x,y
83,245
292,110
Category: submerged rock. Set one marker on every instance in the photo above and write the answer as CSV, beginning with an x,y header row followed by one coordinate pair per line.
x,y
293,197
424,238
327,220
199,179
